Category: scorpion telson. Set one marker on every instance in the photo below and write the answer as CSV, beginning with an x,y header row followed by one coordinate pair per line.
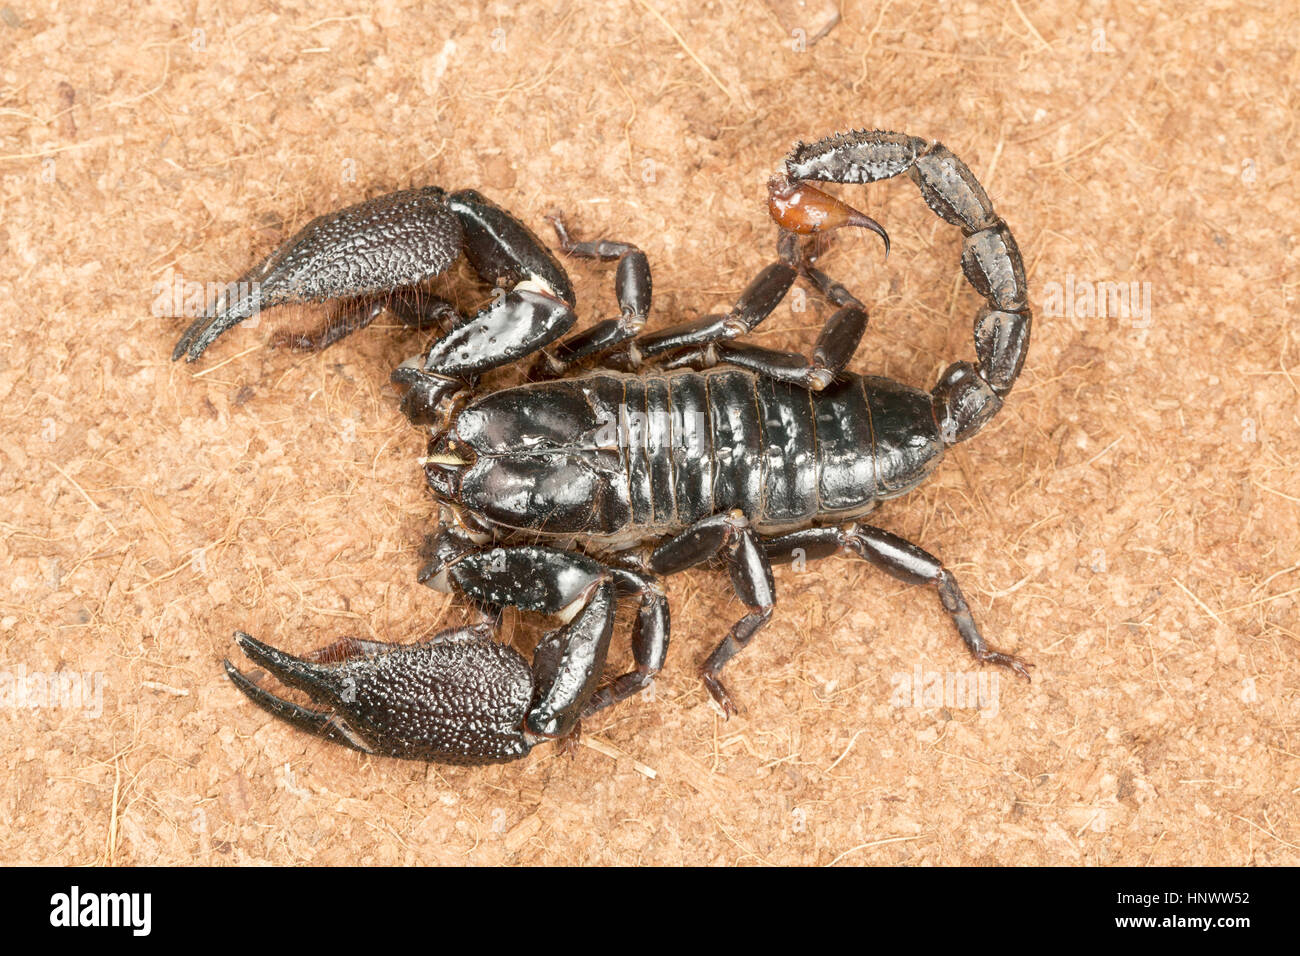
x,y
631,455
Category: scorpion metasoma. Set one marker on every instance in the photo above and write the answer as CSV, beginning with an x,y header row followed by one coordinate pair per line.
x,y
628,455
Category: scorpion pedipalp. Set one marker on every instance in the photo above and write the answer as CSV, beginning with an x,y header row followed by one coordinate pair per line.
x,y
459,697
386,247
403,238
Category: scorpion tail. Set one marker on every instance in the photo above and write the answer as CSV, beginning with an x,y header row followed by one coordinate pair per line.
x,y
968,394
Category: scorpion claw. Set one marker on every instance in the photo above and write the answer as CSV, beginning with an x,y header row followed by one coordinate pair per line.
x,y
403,238
317,722
459,697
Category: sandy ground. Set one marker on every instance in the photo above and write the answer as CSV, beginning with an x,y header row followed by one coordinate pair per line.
x,y
1129,522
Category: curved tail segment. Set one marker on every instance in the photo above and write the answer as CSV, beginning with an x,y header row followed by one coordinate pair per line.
x,y
967,395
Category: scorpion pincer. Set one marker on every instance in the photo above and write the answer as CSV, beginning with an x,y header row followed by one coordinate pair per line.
x,y
628,455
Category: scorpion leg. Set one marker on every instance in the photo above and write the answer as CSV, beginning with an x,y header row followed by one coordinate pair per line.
x,y
843,331
906,562
755,304
731,537
649,641
835,346
828,287
632,287
784,366
801,210
810,544
913,565
403,239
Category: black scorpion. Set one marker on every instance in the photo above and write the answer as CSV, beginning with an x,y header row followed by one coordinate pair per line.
x,y
664,451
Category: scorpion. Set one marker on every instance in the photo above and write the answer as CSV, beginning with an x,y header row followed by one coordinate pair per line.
x,y
628,454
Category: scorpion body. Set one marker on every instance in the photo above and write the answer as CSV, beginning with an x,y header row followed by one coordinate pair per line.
x,y
622,458
631,455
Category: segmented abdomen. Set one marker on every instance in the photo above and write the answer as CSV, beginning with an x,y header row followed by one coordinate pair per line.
x,y
701,443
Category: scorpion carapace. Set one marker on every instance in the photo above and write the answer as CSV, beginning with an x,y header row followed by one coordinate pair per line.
x,y
629,455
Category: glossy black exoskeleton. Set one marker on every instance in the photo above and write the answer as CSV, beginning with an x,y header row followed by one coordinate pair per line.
x,y
632,455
